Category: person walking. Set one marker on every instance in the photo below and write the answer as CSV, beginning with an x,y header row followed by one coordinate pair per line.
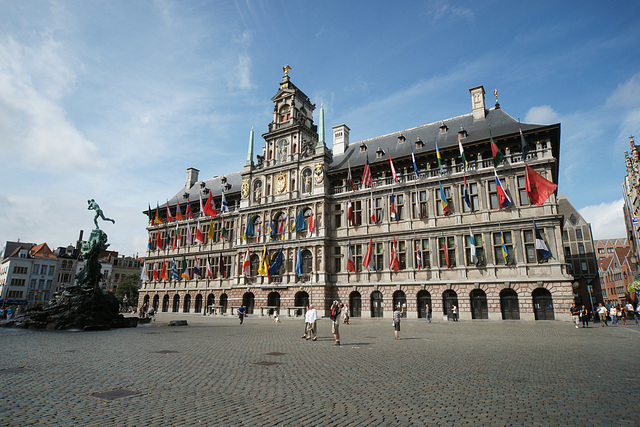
x,y
241,313
397,315
345,315
613,314
602,313
427,311
310,320
575,314
584,316
454,313
336,309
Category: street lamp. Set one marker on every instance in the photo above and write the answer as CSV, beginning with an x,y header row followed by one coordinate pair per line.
x,y
590,289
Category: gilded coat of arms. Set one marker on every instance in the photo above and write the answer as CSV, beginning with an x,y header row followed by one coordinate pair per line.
x,y
318,173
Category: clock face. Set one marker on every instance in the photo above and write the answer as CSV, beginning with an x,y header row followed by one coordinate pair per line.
x,y
245,189
281,183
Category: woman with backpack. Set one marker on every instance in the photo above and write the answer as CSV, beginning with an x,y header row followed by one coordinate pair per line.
x,y
397,314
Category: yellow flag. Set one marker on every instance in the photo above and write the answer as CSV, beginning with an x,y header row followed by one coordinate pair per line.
x,y
263,270
210,233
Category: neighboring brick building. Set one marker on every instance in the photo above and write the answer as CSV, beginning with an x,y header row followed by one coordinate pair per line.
x,y
616,272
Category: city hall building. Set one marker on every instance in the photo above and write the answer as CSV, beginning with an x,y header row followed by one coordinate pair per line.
x,y
417,217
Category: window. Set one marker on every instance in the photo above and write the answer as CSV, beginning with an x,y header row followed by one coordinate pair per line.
x,y
497,248
530,246
378,256
377,210
522,191
337,215
425,254
254,265
357,212
583,265
399,207
337,259
565,235
419,202
579,233
401,246
600,250
573,219
307,261
494,200
472,188
357,257
479,249
580,248
447,193
447,251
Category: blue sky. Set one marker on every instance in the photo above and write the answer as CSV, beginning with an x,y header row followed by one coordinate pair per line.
x,y
114,100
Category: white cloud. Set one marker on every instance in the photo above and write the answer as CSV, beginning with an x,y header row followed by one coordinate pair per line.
x,y
607,219
441,8
626,94
542,114
243,73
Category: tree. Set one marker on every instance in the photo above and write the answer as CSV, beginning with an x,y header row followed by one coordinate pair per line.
x,y
129,287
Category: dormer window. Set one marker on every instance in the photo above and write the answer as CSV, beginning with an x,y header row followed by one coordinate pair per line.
x,y
284,113
379,152
401,139
202,184
443,128
363,147
419,143
462,133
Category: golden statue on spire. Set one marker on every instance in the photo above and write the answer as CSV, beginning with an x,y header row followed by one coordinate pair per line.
x,y
286,69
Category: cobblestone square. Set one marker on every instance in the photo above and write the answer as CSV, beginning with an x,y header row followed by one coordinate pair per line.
x,y
217,372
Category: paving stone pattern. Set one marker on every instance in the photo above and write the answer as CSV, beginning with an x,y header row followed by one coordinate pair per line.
x,y
208,373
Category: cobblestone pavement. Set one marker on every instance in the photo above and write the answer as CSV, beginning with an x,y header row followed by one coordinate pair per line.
x,y
212,373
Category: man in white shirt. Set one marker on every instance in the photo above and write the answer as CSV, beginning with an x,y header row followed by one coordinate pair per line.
x,y
310,320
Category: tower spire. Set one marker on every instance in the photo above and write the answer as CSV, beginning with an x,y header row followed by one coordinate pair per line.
x,y
250,153
321,141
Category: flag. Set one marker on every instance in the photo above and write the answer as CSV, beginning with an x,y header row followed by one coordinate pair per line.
x,y
277,264
299,261
189,236
473,250
392,207
393,169
199,235
395,262
372,211
415,165
300,225
495,152
209,270
541,246
167,242
196,268
150,245
467,198
223,231
367,180
418,256
264,264
504,199
158,220
155,271
272,231
176,238
366,263
439,157
505,254
201,206
281,227
349,179
443,199
179,216
311,223
158,241
446,252
246,265
185,269
210,234
221,267
144,274
169,217
462,155
163,273
224,207
635,221
351,266
538,187
249,231
174,270
350,215
525,146
210,206
187,212
150,214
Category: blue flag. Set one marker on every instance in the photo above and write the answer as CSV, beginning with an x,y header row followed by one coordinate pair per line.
x,y
300,226
277,263
249,231
272,231
541,246
415,165
299,262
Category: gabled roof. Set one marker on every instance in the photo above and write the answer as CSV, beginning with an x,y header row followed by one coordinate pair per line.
x,y
41,251
214,185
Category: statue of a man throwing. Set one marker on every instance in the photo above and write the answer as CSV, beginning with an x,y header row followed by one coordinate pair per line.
x,y
94,206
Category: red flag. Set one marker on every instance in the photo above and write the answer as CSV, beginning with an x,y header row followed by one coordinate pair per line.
x,y
169,217
395,262
367,256
246,265
351,266
350,215
538,187
199,235
418,256
446,255
392,207
372,210
393,169
188,213
349,179
210,206
163,274
155,271
158,241
179,216
311,222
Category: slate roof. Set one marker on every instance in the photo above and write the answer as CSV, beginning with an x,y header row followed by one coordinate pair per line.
x,y
214,185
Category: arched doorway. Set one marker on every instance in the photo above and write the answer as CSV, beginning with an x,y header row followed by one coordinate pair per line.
x,y
479,309
400,300
198,307
224,301
376,304
187,304
145,300
301,299
176,303
424,301
156,302
273,300
449,299
165,303
542,304
509,305
211,301
247,301
355,304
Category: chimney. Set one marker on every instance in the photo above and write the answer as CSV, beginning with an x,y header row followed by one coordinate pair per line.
x,y
477,102
340,139
192,177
